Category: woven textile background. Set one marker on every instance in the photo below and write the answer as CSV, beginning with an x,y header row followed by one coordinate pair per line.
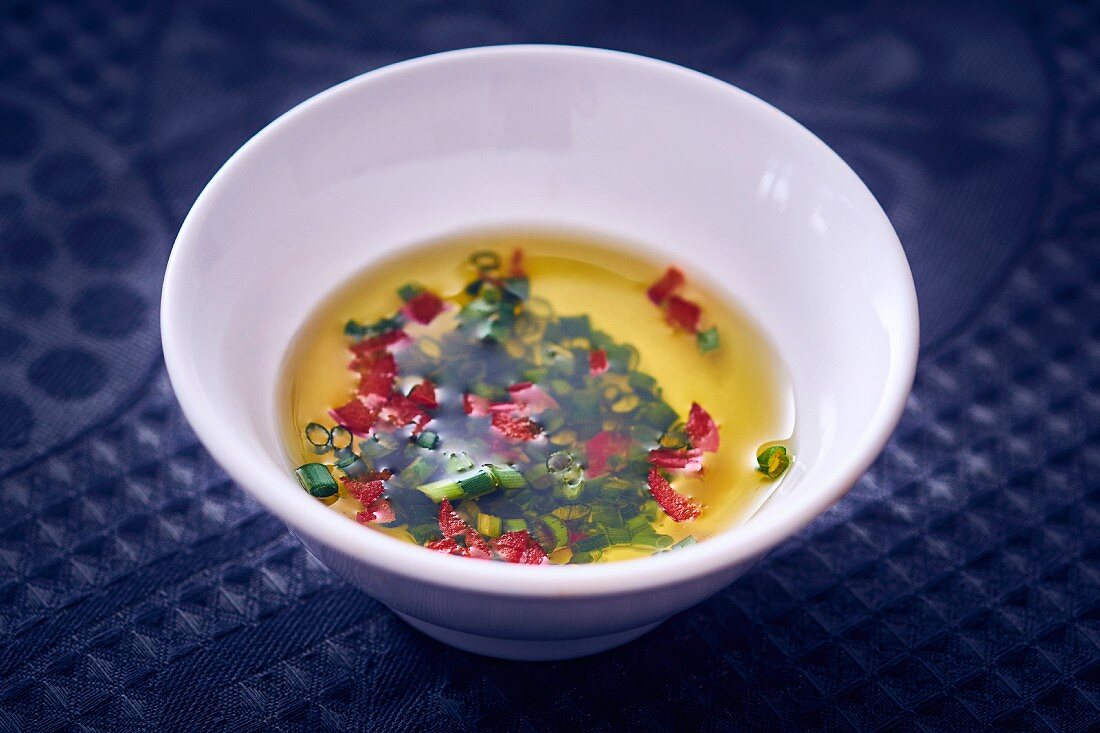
x,y
956,588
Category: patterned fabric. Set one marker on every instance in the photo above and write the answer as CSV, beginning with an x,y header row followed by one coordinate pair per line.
x,y
956,588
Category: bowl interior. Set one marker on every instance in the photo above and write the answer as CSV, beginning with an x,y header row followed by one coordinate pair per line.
x,y
639,150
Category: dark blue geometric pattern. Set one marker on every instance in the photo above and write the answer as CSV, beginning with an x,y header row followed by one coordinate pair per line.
x,y
956,588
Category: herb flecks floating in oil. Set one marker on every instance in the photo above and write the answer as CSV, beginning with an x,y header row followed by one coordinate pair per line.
x,y
550,397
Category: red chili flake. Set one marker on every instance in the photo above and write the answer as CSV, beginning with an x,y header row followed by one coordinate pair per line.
x,y
529,397
402,411
675,504
450,523
378,511
597,362
423,308
520,547
516,428
383,511
475,405
365,491
701,429
516,268
356,416
683,313
380,342
377,372
659,291
447,546
602,446
476,546
424,394
682,458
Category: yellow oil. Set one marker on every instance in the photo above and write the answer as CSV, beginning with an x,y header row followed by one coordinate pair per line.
x,y
742,384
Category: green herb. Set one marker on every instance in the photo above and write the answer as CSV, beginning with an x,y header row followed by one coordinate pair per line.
x,y
318,437
773,461
317,480
707,340
428,439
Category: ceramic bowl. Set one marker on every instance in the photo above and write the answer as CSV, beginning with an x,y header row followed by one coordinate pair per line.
x,y
639,150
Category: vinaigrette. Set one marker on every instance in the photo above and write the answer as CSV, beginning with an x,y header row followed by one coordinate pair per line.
x,y
535,397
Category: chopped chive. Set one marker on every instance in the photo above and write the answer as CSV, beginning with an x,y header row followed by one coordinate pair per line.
x,y
594,542
378,445
427,439
319,437
520,287
340,438
459,462
657,414
446,488
485,260
421,533
383,325
507,476
617,535
417,472
583,558
707,340
638,523
489,525
513,525
408,291
573,511
773,461
352,465
642,382
556,529
317,480
574,326
686,542
477,484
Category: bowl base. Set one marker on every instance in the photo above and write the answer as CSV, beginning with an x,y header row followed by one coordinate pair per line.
x,y
526,650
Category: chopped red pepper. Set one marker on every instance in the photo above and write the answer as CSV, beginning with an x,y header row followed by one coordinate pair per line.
x,y
424,394
601,447
517,269
451,525
597,362
475,405
683,313
530,397
701,429
516,428
402,411
447,546
379,511
365,491
520,547
424,307
659,291
356,416
675,504
377,371
682,458
381,342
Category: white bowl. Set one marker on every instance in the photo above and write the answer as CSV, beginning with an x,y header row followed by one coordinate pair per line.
x,y
696,170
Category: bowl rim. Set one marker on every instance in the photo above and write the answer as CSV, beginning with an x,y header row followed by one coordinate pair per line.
x,y
271,486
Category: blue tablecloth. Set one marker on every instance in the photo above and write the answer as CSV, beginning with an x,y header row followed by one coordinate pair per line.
x,y
956,588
